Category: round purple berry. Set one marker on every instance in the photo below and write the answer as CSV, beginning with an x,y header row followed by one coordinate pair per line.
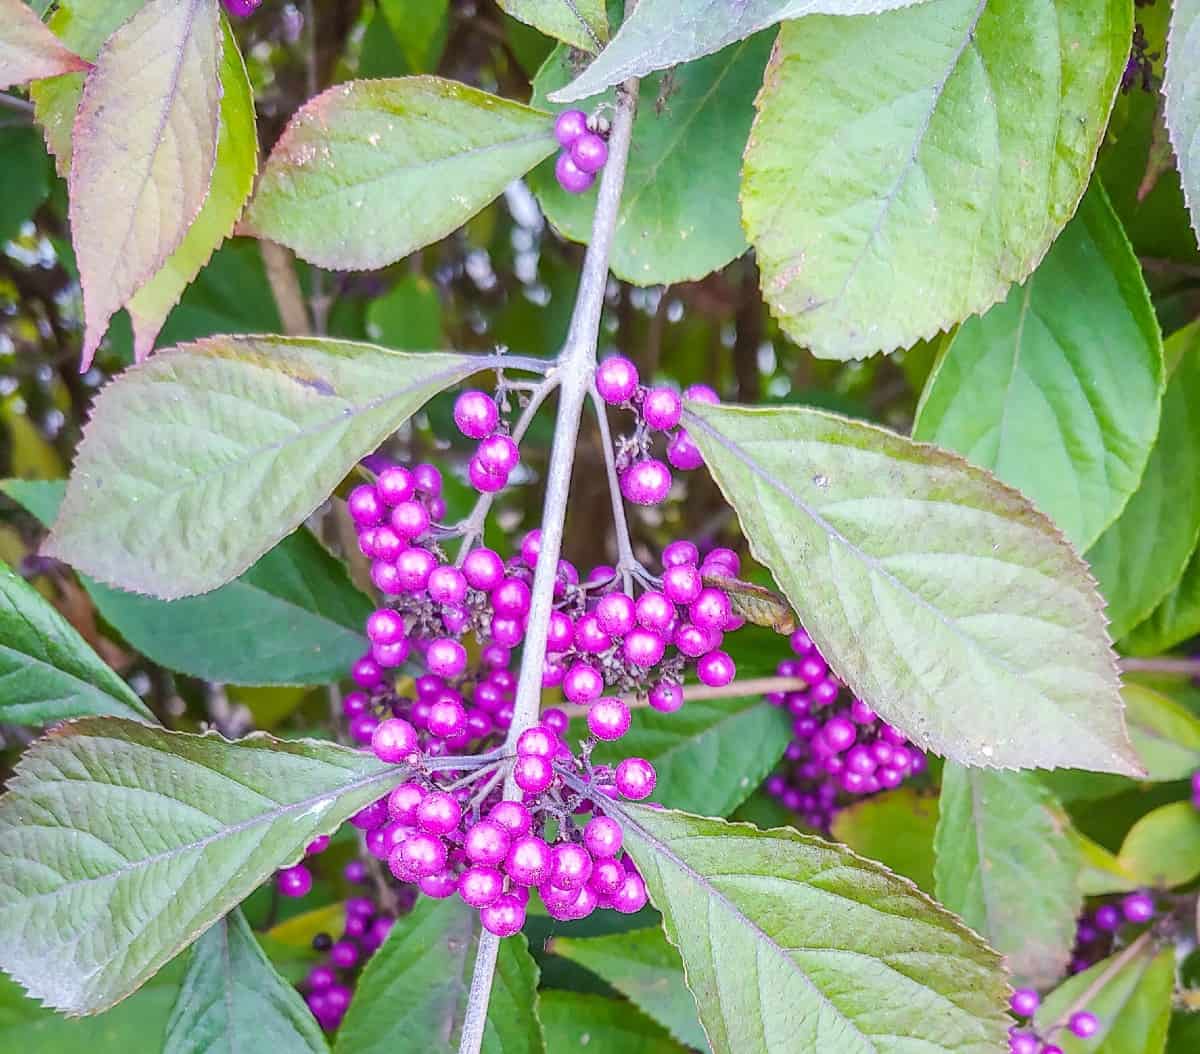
x,y
589,152
682,584
394,740
1108,917
572,178
643,648
480,886
1023,1042
446,657
385,626
446,585
608,718
528,861
533,774
682,453
476,414
631,897
439,813
569,126
666,697
483,569
716,669
1083,1024
365,507
1138,907
616,614
403,802
1024,1002
512,816
409,519
662,408
498,455
486,842
504,917
537,741
616,380
484,480
583,683
294,881
636,779
646,482
680,554
602,837
511,598
555,720
570,866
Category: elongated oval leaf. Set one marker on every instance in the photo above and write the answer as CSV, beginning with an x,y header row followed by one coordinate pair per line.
x,y
145,141
28,50
1181,90
1163,848
197,462
48,671
679,216
940,149
1130,994
416,985
1006,863
370,171
581,23
940,595
1144,554
233,179
1165,734
294,617
750,913
574,1021
123,843
233,999
663,33
647,970
710,756
1058,389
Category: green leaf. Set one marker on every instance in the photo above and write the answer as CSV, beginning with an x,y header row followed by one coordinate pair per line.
x,y
574,1021
420,28
28,50
710,756
1165,735
416,986
647,970
1058,389
1184,1036
1100,873
664,33
230,442
1163,848
1181,92
370,171
678,217
233,179
83,26
750,913
896,829
581,23
941,149
938,594
233,997
48,671
145,141
408,316
1007,864
124,842
293,618
1144,554
24,178
1130,994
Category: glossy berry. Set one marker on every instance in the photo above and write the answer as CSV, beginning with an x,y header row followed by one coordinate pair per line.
x,y
410,519
680,554
635,779
480,886
1024,1002
513,817
631,897
484,479
602,837
476,414
486,842
403,801
716,669
384,626
1083,1024
394,740
533,774
582,683
365,506
589,152
569,126
498,454
483,569
528,861
419,855
616,614
570,866
608,718
294,881
446,657
395,485
570,176
241,8
662,408
682,453
344,954
1023,1043
1138,907
666,697
646,482
504,917
616,380
1108,917
537,741
439,813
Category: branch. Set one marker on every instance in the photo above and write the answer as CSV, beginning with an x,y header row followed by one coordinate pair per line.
x,y
577,366
736,690
285,287
1162,664
627,563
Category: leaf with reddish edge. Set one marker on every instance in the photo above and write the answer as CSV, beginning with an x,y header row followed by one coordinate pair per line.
x,y
233,179
371,171
940,595
145,142
28,50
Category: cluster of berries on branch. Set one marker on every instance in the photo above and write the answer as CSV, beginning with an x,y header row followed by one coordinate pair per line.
x,y
1024,1039
1100,930
584,141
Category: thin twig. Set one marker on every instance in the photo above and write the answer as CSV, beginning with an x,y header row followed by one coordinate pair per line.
x,y
698,692
577,368
285,287
11,102
1163,664
627,564
1101,979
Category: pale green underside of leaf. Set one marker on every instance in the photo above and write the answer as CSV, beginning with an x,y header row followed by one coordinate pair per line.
x,y
233,179
1007,865
144,142
1181,92
370,171
1144,554
1132,1004
679,218
938,594
1058,389
647,970
47,670
233,999
83,25
904,169
1165,735
664,33
581,23
1163,848
577,1022
750,913
28,50
198,461
895,829
709,756
293,618
123,843
414,989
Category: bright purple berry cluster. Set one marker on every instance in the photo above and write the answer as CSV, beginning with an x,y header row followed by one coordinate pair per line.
x,y
585,149
1023,1039
241,8
478,417
1098,929
840,748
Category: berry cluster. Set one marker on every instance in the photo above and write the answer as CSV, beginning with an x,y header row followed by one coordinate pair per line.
x,y
840,748
645,480
241,8
1098,929
1024,1040
584,149
478,417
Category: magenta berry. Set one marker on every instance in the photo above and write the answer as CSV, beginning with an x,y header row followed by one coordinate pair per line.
x,y
403,801
570,176
446,657
569,126
483,569
384,626
680,554
642,648
366,508
410,519
537,741
570,866
486,842
616,614
513,817
394,740
682,453
608,718
498,455
480,886
631,897
294,881
602,837
1138,907
589,152
1023,1043
666,697
616,380
635,779
389,656
716,669
582,683
528,861
662,408
439,813
1024,1002
533,774
646,482
504,917
1083,1024
241,8
476,414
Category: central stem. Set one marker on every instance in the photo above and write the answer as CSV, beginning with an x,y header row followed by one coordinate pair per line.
x,y
577,366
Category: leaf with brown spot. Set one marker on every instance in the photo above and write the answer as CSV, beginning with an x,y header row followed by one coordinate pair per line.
x,y
756,604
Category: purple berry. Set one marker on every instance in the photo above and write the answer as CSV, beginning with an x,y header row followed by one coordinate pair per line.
x,y
420,854
241,8
602,837
589,152
395,485
528,861
484,480
608,718
511,598
447,717
583,683
711,609
366,509
616,614
1023,1043
439,886
682,453
476,414
643,648
480,886
662,408
1024,1002
636,779
537,741
486,843
716,669
680,554
428,479
570,866
366,673
702,393
294,881
483,569
1138,907
1083,1024
410,519
498,455
370,816
666,697
394,740
607,877
590,637
646,482
839,734
682,584
513,817
616,380
439,813
1108,917
533,774
504,917
555,720
446,657
654,611
631,897
446,585
569,126
403,801
344,954
570,176
385,626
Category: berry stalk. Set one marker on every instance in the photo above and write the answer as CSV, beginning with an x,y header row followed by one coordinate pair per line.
x,y
576,369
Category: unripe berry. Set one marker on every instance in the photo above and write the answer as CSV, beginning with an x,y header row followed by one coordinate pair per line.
x,y
635,779
616,380
476,414
646,482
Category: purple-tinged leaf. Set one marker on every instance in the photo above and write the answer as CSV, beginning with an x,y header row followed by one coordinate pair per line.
x,y
145,141
28,50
